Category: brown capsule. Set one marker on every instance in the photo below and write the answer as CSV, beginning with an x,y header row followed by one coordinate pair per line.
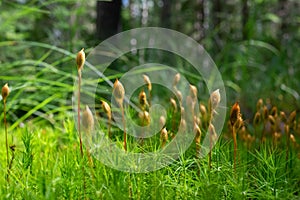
x,y
106,109
87,119
162,121
235,113
257,119
197,130
283,117
145,117
259,105
292,117
265,113
272,120
80,59
5,92
164,133
148,82
292,138
143,99
274,111
202,110
215,99
176,79
118,91
164,136
193,92
173,104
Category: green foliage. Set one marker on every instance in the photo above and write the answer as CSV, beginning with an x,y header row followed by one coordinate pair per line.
x,y
266,61
27,157
44,87
56,172
61,23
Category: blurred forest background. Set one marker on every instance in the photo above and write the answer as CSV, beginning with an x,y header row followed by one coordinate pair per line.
x,y
255,43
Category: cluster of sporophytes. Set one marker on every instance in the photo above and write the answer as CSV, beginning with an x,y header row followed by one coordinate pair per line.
x,y
269,127
267,123
179,116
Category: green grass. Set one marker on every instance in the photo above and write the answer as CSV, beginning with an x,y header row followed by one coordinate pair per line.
x,y
48,165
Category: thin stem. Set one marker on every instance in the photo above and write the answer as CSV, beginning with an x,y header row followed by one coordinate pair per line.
x,y
6,140
149,101
210,138
78,113
79,130
210,148
142,138
124,125
287,145
109,125
197,147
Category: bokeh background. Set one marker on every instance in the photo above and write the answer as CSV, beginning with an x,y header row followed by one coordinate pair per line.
x,y
254,43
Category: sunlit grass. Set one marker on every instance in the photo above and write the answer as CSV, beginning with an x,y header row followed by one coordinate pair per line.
x,y
48,165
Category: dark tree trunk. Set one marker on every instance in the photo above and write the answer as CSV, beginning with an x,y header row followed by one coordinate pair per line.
x,y
200,17
245,18
166,14
219,34
216,13
108,18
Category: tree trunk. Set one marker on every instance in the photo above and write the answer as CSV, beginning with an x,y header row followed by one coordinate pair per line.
x,y
108,18
216,12
166,14
245,18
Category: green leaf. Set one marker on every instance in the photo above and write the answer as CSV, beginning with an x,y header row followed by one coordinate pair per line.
x,y
273,18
